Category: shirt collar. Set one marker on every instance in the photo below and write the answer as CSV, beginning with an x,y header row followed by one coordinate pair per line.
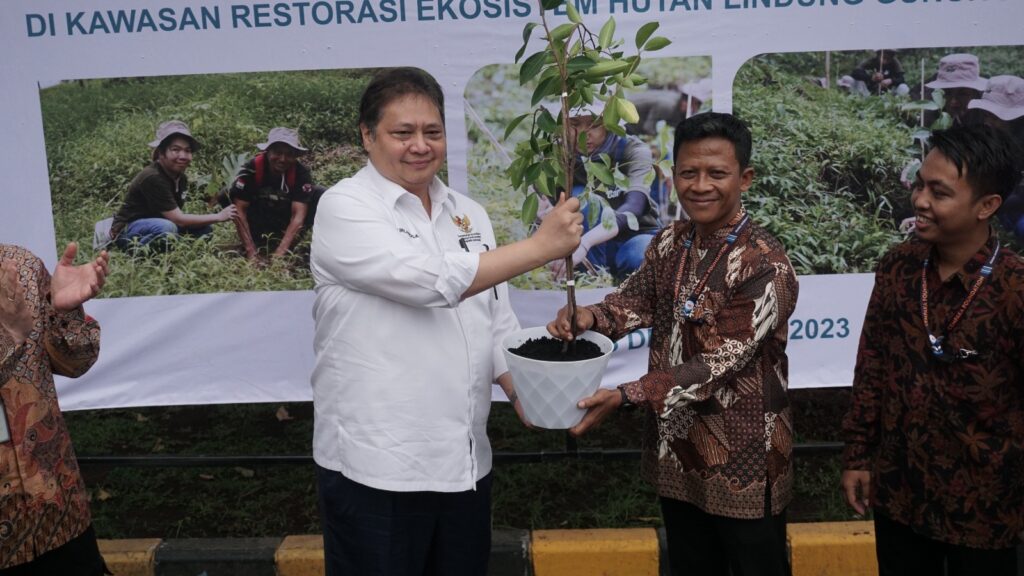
x,y
440,195
972,268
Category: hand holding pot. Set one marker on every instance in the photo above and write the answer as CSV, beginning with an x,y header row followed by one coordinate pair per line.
x,y
560,230
598,407
559,327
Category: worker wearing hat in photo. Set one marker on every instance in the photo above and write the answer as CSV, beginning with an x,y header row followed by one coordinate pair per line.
x,y
152,211
272,193
1002,106
616,243
959,78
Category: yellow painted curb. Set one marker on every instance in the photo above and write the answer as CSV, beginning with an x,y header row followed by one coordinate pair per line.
x,y
833,548
300,556
605,552
130,557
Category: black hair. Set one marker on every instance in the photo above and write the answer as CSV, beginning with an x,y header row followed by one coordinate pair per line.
x,y
989,158
393,83
715,125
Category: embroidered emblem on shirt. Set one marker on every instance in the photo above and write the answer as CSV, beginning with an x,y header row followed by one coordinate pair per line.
x,y
463,223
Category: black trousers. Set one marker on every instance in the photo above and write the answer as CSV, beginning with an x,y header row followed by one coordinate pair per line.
x,y
702,544
901,551
370,532
79,557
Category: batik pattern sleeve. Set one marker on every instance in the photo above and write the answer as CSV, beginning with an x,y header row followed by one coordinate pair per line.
x,y
632,306
861,422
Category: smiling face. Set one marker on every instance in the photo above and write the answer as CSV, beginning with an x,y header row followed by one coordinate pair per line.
x,y
281,157
709,181
408,145
947,210
176,156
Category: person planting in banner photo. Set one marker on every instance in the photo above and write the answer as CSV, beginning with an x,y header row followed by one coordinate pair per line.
x,y
411,309
717,291
152,211
616,243
274,194
935,430
45,524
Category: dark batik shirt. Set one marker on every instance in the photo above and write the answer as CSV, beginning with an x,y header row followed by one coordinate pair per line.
x,y
943,440
43,501
719,432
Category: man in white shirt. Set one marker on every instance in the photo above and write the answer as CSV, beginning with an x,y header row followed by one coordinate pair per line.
x,y
411,308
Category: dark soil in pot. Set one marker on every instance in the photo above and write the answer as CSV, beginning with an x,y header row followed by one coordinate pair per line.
x,y
550,350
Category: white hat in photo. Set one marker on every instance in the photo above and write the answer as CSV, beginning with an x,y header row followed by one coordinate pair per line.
x,y
959,71
170,128
284,136
1004,97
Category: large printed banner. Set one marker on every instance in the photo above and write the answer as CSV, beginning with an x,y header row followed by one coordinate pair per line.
x,y
839,94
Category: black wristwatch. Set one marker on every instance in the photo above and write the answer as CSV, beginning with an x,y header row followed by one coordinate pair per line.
x,y
626,403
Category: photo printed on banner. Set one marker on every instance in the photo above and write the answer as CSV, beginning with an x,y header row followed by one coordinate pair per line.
x,y
839,136
676,88
124,152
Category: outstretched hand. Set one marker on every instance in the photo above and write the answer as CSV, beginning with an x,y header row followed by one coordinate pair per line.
x,y
72,285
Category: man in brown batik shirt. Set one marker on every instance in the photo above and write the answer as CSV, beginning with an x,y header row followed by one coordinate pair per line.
x,y
45,526
935,433
717,291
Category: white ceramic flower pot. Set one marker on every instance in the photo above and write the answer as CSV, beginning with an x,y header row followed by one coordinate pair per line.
x,y
548,390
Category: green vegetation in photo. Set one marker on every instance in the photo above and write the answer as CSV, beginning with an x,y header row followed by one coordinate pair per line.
x,y
833,168
96,133
494,98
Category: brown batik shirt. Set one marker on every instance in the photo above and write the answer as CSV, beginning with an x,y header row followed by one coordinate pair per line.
x,y
719,432
43,502
943,441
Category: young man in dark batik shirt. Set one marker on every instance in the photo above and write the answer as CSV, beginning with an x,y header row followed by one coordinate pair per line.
x,y
935,433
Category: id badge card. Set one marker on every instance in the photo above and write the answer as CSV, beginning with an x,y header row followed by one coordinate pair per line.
x,y
5,432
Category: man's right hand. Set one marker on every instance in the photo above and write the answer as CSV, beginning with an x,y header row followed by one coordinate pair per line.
x,y
856,486
559,327
560,230
229,213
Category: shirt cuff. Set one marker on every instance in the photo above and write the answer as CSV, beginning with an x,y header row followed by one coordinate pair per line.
x,y
856,457
457,275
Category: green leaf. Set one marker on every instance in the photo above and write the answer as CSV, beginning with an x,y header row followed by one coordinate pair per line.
x,y
604,39
532,173
513,124
607,68
547,87
602,173
527,32
574,16
611,112
550,4
529,212
631,221
562,31
579,63
656,43
644,33
627,110
532,66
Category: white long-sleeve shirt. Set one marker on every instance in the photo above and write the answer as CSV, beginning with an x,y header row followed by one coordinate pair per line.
x,y
402,384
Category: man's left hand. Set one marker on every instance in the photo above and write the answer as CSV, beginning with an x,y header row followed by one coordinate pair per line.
x,y
598,407
72,285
